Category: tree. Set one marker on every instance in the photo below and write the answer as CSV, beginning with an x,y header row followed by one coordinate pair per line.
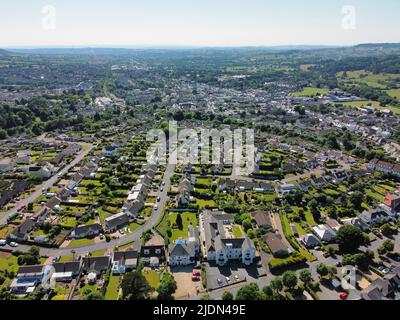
x,y
386,247
249,292
277,284
3,134
206,297
322,270
227,296
289,279
357,199
349,238
135,286
94,296
167,287
305,276
179,221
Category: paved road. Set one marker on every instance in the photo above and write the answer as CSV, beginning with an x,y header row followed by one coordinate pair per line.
x,y
46,184
134,236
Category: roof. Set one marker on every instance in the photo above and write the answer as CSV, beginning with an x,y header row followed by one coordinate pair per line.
x,y
98,264
181,249
122,256
72,266
262,218
274,243
86,229
37,269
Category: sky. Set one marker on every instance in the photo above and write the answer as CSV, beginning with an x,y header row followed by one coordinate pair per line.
x,y
159,23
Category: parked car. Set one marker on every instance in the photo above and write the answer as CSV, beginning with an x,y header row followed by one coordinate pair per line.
x,y
237,278
13,244
228,279
196,273
158,199
195,278
3,242
343,295
219,282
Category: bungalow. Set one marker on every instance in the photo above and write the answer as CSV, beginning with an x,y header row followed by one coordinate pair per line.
x,y
21,233
333,224
309,241
28,277
318,182
275,244
262,219
89,231
305,185
43,172
117,221
96,265
152,255
324,233
123,261
357,222
286,189
376,216
65,272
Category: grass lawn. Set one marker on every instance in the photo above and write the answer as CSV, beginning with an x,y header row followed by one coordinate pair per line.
x,y
98,253
65,259
126,246
309,218
8,262
152,277
237,231
133,226
375,195
188,218
80,243
310,92
5,231
113,288
204,203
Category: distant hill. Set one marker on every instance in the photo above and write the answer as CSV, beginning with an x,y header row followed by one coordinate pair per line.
x,y
4,52
378,46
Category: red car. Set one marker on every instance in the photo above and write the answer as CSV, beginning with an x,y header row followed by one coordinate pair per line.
x,y
195,278
343,295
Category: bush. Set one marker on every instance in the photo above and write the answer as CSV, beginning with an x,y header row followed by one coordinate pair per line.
x,y
277,263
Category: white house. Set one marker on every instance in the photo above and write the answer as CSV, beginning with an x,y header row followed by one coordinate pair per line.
x,y
219,243
324,233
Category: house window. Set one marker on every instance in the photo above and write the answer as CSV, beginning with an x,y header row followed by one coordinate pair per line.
x,y
146,251
158,251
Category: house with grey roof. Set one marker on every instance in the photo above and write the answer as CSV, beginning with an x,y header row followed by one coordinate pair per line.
x,y
219,243
185,251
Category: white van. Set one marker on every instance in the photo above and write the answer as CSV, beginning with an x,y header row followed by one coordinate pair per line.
x,y
3,242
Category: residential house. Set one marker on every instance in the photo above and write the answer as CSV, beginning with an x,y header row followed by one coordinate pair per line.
x,y
152,255
89,231
43,172
28,277
357,222
124,261
324,233
65,272
309,241
96,265
117,221
376,216
392,202
219,243
275,244
21,233
262,219
287,189
185,251
333,224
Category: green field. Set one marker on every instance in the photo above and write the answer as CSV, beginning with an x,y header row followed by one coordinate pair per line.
x,y
379,81
310,92
394,93
371,103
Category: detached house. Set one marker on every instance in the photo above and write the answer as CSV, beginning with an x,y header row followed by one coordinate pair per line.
x,y
184,252
376,216
219,243
324,233
123,261
117,221
90,231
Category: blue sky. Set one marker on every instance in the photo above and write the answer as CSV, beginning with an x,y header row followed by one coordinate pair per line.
x,y
197,23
